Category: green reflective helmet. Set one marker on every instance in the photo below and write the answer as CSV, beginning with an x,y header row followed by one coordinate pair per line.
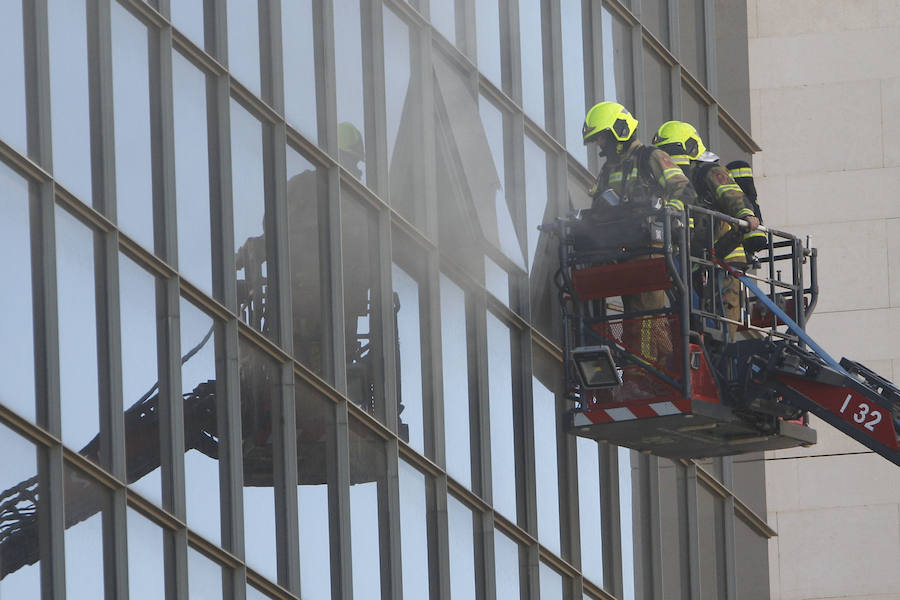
x,y
680,140
350,141
611,117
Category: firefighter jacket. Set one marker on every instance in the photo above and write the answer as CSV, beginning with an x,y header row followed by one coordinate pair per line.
x,y
644,172
718,190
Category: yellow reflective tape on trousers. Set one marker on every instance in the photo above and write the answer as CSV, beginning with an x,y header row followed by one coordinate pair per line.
x,y
646,331
736,255
742,172
727,187
615,177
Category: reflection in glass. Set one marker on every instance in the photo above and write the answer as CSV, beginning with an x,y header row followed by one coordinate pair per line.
x,y
204,577
248,191
351,89
657,91
17,383
546,466
187,16
455,368
551,584
443,17
361,306
506,558
626,522
243,42
255,594
146,573
12,74
573,78
192,173
131,104
202,433
487,39
316,474
618,63
260,387
367,492
493,121
299,66
413,532
408,278
532,59
462,549
503,446
69,110
140,393
307,213
77,334
496,281
84,502
590,525
692,35
20,495
538,207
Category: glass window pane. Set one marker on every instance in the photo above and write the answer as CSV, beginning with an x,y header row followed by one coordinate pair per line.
x,y
310,293
351,88
413,532
20,497
84,502
361,306
546,466
543,249
255,594
69,110
146,575
201,406
573,78
443,17
487,38
204,577
672,505
626,520
243,42
131,103
589,510
260,388
492,119
16,319
187,16
404,118
496,281
693,37
192,174
657,92
503,447
618,63
461,532
506,558
299,66
12,74
367,494
539,208
655,17
77,334
455,368
551,584
316,466
248,190
410,301
532,60
140,393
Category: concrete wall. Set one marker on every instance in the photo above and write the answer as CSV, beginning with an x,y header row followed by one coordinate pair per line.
x,y
825,106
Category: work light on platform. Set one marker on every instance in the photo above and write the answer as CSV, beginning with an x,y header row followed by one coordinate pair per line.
x,y
596,367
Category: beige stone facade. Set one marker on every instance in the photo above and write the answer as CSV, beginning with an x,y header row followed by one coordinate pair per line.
x,y
825,100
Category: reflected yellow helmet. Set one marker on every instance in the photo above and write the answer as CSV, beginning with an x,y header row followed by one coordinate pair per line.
x,y
680,140
608,116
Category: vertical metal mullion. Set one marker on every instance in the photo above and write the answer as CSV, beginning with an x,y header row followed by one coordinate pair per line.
x,y
611,519
485,558
478,364
510,53
466,36
567,446
390,386
592,29
728,524
100,73
637,54
554,93
709,38
654,523
693,530
284,453
389,523
339,511
435,427
423,69
375,103
439,556
674,43
524,434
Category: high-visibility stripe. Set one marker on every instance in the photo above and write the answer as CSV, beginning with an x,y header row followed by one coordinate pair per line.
x,y
646,345
737,255
727,187
741,172
672,172
615,177
675,203
754,234
745,212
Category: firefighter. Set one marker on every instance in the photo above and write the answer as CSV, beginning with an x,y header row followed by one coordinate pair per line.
x,y
637,173
717,190
742,173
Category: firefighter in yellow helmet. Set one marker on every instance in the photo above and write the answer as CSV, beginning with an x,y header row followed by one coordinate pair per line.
x,y
350,147
637,173
717,190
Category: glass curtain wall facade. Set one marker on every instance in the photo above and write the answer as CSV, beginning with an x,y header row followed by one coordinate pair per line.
x,y
278,320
